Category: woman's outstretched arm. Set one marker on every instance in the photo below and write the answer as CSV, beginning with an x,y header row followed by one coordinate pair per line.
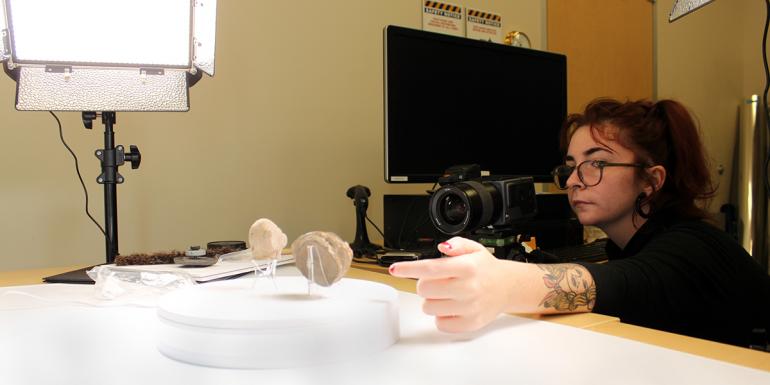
x,y
469,288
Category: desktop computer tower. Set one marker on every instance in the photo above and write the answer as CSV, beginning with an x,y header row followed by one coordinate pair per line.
x,y
555,224
406,223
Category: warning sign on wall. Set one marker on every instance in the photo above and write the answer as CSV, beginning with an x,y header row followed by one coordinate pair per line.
x,y
443,18
483,25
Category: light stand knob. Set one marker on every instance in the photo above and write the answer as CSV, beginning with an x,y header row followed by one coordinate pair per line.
x,y
88,119
133,156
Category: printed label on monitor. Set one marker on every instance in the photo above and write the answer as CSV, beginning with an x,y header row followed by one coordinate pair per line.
x,y
443,18
483,25
399,179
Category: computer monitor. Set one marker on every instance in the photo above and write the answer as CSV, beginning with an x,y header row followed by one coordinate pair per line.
x,y
451,101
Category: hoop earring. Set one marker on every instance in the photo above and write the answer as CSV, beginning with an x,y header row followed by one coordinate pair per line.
x,y
638,206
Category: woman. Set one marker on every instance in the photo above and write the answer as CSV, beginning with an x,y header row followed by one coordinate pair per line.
x,y
638,171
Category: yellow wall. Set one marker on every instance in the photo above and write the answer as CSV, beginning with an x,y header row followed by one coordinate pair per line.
x,y
752,21
292,118
702,61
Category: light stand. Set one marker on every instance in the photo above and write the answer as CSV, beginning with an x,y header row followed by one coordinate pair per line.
x,y
58,65
111,158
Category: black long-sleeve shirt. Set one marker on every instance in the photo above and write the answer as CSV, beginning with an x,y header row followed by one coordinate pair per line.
x,y
685,277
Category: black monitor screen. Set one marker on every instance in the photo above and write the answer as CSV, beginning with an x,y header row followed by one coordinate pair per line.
x,y
452,101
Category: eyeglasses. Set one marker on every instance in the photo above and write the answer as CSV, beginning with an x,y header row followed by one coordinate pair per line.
x,y
589,172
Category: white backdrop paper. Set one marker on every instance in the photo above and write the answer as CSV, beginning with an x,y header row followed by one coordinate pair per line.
x,y
54,341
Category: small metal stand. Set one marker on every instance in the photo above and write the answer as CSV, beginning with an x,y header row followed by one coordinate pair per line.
x,y
111,157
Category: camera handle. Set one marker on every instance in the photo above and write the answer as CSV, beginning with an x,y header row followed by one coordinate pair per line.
x,y
361,245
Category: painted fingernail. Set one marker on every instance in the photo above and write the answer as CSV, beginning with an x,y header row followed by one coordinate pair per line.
x,y
445,245
391,269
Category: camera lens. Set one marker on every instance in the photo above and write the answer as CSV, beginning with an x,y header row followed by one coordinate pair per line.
x,y
464,207
453,209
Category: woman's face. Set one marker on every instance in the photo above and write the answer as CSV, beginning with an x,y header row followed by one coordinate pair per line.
x,y
610,203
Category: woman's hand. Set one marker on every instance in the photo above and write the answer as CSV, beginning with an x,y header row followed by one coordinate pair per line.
x,y
466,291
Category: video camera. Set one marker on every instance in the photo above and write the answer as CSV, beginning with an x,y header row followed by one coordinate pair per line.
x,y
466,202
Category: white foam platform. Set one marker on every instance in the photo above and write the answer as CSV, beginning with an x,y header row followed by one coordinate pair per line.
x,y
231,324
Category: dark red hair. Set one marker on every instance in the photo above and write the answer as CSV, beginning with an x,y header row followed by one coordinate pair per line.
x,y
659,133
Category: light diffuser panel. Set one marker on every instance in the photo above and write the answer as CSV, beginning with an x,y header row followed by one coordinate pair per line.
x,y
105,32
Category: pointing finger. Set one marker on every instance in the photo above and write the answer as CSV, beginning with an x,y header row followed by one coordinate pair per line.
x,y
433,268
459,246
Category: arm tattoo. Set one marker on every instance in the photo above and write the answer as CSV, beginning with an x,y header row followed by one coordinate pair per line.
x,y
571,287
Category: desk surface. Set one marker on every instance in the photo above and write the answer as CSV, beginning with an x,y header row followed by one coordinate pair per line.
x,y
32,276
590,321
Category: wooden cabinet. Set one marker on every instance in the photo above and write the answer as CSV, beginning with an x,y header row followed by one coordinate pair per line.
x,y
609,48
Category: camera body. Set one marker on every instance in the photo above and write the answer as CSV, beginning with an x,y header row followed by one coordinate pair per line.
x,y
500,202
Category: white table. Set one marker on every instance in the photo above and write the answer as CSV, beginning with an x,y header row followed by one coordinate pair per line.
x,y
48,337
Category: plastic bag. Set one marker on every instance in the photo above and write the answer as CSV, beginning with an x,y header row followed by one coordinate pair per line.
x,y
136,287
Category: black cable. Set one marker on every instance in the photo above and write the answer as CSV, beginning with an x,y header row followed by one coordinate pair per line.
x,y
384,247
424,218
375,226
765,108
430,192
767,86
77,169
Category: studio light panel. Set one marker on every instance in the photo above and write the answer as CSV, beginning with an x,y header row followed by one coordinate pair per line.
x,y
105,32
106,55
